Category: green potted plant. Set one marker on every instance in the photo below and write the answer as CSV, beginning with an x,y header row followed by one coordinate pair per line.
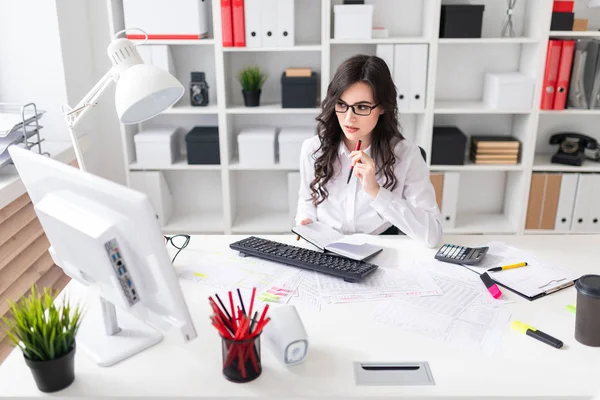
x,y
46,335
251,79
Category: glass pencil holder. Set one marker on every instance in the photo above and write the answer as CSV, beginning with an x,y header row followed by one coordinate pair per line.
x,y
241,359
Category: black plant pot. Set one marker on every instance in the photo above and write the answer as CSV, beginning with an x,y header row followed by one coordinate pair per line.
x,y
251,99
53,375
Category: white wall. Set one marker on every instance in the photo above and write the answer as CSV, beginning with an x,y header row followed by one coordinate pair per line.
x,y
84,37
109,144
31,65
56,54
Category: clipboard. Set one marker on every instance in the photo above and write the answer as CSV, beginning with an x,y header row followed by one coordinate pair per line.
x,y
534,281
540,295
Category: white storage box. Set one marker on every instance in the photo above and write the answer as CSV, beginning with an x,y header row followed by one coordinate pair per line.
x,y
256,146
167,19
510,90
290,143
157,147
353,21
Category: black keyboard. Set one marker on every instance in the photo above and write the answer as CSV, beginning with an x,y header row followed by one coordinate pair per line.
x,y
341,267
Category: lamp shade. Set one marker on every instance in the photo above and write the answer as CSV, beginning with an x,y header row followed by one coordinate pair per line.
x,y
143,91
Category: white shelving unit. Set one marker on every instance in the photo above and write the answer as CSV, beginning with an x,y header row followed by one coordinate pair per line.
x,y
231,198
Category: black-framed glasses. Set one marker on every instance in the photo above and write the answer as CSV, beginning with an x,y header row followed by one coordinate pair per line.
x,y
358,109
180,242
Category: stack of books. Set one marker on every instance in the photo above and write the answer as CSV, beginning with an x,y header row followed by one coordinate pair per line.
x,y
494,150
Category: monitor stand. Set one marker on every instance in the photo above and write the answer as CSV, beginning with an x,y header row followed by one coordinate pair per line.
x,y
108,341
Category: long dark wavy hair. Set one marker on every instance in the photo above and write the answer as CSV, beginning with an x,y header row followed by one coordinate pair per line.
x,y
373,71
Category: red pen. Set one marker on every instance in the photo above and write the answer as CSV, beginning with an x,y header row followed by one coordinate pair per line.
x,y
352,167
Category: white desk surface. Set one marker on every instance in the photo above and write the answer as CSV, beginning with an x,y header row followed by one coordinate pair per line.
x,y
341,334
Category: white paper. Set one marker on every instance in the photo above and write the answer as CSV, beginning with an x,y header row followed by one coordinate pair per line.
x,y
357,298
535,278
226,270
464,316
449,270
306,296
12,120
382,283
4,157
10,139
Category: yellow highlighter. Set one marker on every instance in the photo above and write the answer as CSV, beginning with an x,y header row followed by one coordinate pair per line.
x,y
537,334
517,265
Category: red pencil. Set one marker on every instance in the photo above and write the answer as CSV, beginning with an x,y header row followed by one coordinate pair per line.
x,y
252,301
224,308
352,167
233,319
239,329
219,314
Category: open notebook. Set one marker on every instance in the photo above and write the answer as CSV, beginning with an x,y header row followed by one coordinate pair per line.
x,y
533,281
328,239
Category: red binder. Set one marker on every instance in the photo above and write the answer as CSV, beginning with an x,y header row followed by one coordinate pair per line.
x,y
564,74
226,22
551,74
239,29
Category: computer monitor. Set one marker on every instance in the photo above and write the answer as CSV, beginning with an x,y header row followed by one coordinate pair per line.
x,y
106,236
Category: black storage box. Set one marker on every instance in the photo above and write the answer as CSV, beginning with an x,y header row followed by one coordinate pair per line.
x,y
299,91
562,21
461,20
202,144
448,146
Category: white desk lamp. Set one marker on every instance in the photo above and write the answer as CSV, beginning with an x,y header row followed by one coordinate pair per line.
x,y
142,92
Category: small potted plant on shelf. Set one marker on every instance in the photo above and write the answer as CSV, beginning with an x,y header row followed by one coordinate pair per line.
x,y
46,335
252,79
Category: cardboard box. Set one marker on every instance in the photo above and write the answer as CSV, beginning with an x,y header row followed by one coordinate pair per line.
x,y
580,24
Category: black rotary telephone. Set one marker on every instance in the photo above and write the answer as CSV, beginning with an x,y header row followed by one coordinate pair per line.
x,y
572,148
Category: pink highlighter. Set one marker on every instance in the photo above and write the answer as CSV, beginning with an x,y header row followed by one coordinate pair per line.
x,y
490,285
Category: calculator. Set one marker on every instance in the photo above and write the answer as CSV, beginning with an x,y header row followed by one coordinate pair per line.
x,y
460,254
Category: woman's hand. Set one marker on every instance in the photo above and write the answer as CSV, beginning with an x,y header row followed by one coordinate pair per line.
x,y
305,221
364,170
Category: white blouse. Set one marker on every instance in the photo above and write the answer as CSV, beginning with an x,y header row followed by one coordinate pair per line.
x,y
411,206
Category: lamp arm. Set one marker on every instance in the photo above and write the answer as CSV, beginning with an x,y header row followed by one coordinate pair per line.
x,y
74,115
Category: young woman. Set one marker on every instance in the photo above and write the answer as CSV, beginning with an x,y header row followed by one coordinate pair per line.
x,y
389,188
